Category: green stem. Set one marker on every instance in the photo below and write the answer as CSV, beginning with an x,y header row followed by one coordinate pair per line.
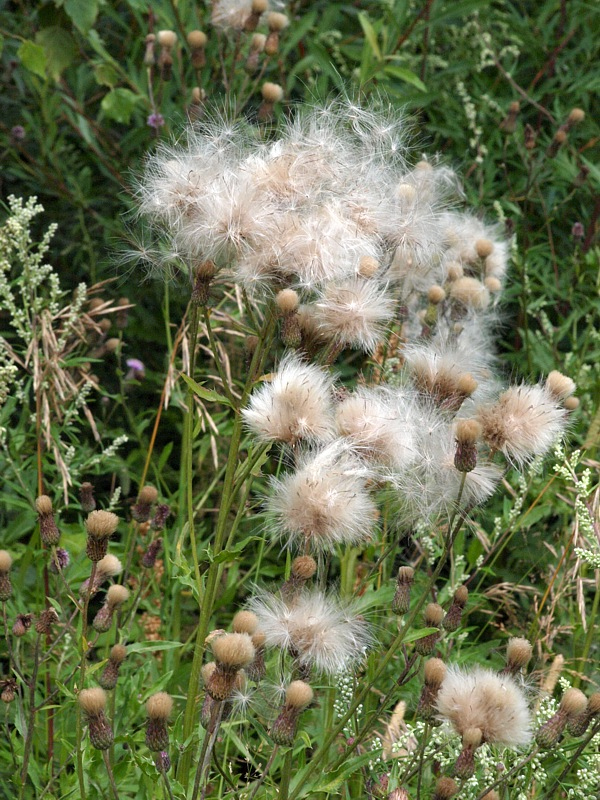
x,y
265,772
111,777
589,637
286,774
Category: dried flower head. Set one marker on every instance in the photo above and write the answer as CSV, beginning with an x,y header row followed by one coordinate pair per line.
x,y
294,406
5,582
314,628
325,502
480,698
245,622
100,526
298,695
93,703
158,708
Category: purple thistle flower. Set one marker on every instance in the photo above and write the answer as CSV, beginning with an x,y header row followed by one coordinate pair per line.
x,y
155,120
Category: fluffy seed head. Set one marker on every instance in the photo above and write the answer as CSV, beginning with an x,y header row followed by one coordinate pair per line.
x,y
484,248
470,292
571,403
518,652
271,92
207,670
492,284
245,622
43,504
445,788
257,43
576,115
480,698
5,561
436,294
148,495
314,627
472,737
467,431
559,385
101,524
159,706
295,405
167,38
117,595
367,266
461,596
298,694
109,566
435,671
118,653
233,650
259,6
287,300
277,21
197,39
573,702
92,701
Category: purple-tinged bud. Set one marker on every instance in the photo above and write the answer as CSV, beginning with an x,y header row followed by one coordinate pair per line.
x,y
22,624
60,560
161,515
46,621
86,497
151,554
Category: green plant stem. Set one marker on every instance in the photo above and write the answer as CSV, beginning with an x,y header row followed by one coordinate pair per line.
x,y
84,652
573,760
265,772
167,783
111,777
517,768
321,753
591,632
214,346
31,721
286,774
206,752
207,597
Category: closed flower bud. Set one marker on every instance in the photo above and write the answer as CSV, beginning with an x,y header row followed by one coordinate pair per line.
x,y
86,497
141,510
232,652
303,568
162,761
257,670
404,582
297,697
8,690
559,385
435,671
151,554
46,621
93,703
465,763
100,526
149,51
60,560
436,295
452,620
467,432
110,674
445,788
433,616
161,515
245,622
5,583
518,654
22,624
49,532
158,709
572,704
579,723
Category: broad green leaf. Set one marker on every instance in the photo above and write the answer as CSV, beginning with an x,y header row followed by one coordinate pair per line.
x,y
331,783
83,13
144,647
406,76
59,47
33,58
370,34
106,75
119,104
204,394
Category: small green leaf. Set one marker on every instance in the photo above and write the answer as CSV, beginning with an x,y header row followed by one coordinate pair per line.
x,y
144,647
119,104
59,48
83,13
204,394
406,76
106,75
33,58
370,34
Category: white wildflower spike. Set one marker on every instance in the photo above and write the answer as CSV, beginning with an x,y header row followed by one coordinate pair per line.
x,y
294,406
325,502
315,628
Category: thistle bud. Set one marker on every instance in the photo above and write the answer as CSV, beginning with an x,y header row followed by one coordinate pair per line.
x,y
8,690
167,41
467,433
272,93
257,8
452,620
435,671
5,583
110,673
197,42
93,703
115,597
276,22
161,515
559,138
579,724
232,652
149,52
445,788
46,621
151,554
559,385
86,497
158,709
303,568
404,582
571,706
257,670
530,137
297,697
465,763
146,498
203,275
245,622
509,123
60,560
162,761
100,526
518,654
207,713
49,532
22,624
432,617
